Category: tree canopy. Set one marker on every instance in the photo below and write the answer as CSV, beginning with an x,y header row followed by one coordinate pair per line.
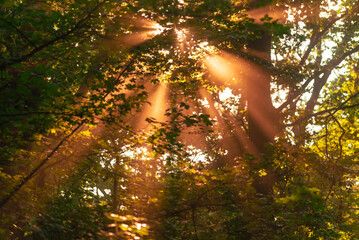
x,y
181,119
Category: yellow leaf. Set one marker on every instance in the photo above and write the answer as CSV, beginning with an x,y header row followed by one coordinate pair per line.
x,y
86,133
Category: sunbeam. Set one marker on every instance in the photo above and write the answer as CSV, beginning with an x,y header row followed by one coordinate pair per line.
x,y
184,41
224,68
156,108
144,30
234,138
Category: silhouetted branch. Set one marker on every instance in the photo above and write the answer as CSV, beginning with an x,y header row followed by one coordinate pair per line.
x,y
78,25
327,70
33,113
19,31
315,38
37,168
330,111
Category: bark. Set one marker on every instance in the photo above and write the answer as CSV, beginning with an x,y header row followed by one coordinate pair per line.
x,y
115,186
263,119
260,108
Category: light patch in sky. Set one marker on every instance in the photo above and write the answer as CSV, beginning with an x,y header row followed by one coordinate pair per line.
x,y
332,6
149,29
278,96
225,94
136,152
197,155
204,102
314,128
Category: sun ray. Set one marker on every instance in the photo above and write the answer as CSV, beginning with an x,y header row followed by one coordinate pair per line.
x,y
156,108
224,68
144,30
235,139
184,40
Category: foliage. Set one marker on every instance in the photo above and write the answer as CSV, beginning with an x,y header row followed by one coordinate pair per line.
x,y
179,119
75,212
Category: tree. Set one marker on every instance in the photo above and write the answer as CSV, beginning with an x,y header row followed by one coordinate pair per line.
x,y
264,93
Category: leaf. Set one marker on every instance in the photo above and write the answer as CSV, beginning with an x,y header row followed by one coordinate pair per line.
x,y
86,133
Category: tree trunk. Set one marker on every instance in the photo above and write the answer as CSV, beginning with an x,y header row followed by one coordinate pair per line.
x,y
262,116
115,186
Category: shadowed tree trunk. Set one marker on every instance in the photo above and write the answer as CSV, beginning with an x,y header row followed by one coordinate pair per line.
x,y
262,116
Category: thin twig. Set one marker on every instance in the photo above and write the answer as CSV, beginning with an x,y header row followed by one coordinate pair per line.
x,y
331,110
320,113
317,36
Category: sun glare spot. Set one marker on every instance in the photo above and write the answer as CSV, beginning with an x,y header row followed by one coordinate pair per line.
x,y
225,94
203,44
164,52
181,34
157,29
183,41
197,155
145,30
204,102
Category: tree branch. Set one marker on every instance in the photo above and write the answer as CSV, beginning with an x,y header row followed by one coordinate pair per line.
x,y
314,40
327,69
335,62
330,111
19,31
319,83
33,113
295,94
37,168
25,57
